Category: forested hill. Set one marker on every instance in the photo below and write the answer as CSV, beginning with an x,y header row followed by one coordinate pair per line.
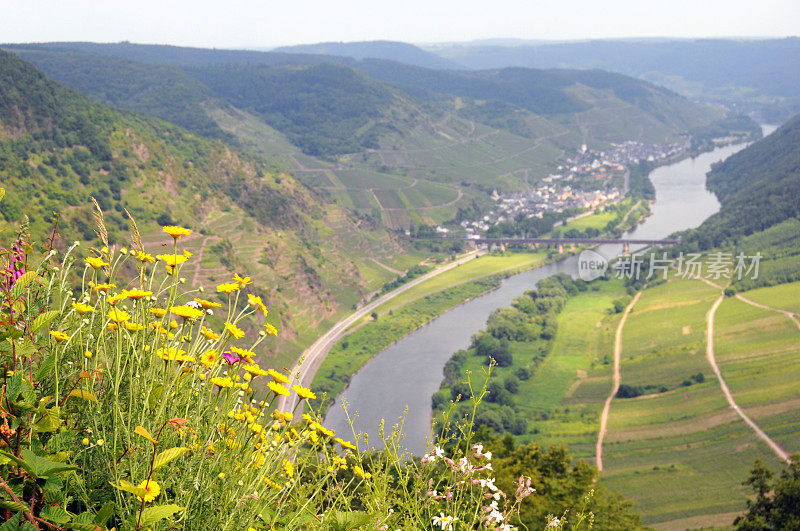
x,y
400,52
330,105
758,188
58,148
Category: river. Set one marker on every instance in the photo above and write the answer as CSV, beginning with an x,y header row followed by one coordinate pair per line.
x,y
408,373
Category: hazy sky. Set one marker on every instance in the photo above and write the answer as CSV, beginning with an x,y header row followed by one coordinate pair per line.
x,y
239,23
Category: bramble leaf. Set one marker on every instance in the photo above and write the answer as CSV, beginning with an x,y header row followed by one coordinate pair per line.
x,y
168,455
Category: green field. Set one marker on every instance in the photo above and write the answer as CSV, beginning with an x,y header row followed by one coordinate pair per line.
x,y
678,451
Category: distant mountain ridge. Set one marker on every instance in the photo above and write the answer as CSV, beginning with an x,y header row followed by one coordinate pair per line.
x,y
400,52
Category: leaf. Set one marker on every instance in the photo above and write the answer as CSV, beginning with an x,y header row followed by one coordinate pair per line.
x,y
54,514
168,455
49,422
106,512
141,430
46,368
22,282
13,506
14,386
81,526
2,193
154,514
127,486
43,466
81,393
21,462
155,395
43,320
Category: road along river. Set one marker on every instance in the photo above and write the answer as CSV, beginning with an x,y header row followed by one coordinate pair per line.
x,y
401,379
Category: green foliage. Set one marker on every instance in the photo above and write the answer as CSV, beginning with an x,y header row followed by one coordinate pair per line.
x,y
758,187
777,499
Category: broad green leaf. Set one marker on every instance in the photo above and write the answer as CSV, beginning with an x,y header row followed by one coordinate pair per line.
x,y
49,422
43,320
154,514
141,430
54,514
43,466
21,462
82,393
127,486
46,368
168,455
14,386
22,282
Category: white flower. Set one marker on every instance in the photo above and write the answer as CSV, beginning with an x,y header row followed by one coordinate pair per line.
x,y
552,522
444,522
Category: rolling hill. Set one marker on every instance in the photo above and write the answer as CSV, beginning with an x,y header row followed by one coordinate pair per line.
x,y
398,143
400,52
311,260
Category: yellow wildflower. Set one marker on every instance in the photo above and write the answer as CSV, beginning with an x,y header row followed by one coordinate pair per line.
x,y
134,327
187,254
61,336
234,330
173,354
244,353
172,260
219,381
256,302
228,288
345,444
187,312
82,309
173,324
176,232
278,377
144,257
103,287
242,281
158,312
256,428
268,482
302,392
96,262
288,468
118,297
358,471
209,334
153,490
285,416
278,389
271,330
118,316
255,370
207,304
137,293
209,357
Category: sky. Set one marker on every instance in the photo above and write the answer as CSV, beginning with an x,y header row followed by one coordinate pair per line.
x,y
266,23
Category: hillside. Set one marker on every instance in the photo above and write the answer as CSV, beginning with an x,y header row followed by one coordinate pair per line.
x,y
400,52
399,144
58,148
756,74
758,187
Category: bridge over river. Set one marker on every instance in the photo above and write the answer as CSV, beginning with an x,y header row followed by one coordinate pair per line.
x,y
558,242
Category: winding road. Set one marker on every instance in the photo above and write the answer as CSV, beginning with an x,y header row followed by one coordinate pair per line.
x,y
308,364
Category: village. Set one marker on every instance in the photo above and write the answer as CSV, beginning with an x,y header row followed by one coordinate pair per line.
x,y
582,182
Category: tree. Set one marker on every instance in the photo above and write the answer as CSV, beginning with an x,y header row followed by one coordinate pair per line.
x,y
777,502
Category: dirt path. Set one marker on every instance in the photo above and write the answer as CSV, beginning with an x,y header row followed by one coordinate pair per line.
x,y
617,353
387,268
775,447
790,315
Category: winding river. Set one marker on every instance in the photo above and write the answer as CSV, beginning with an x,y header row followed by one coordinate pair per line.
x,y
399,382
